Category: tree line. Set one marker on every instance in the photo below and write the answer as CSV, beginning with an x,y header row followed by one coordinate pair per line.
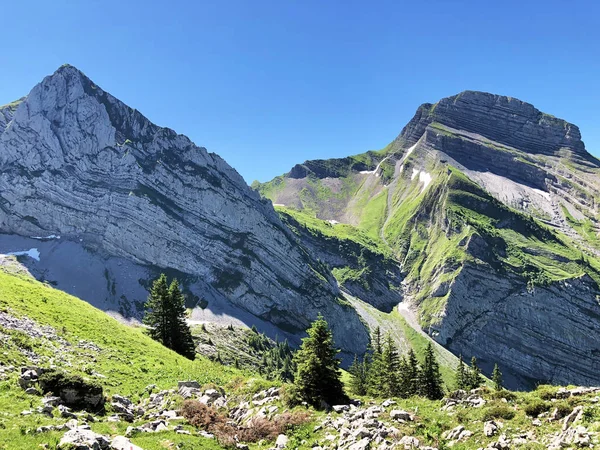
x,y
383,372
314,368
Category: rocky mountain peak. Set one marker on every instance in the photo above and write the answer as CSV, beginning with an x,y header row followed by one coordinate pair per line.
x,y
76,162
499,118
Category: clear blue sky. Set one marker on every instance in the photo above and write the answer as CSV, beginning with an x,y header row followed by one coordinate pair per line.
x,y
267,84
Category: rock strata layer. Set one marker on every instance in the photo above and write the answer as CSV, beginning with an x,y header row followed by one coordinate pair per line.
x,y
75,162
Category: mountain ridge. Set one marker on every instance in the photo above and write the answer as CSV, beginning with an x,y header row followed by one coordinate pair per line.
x,y
461,196
475,187
79,164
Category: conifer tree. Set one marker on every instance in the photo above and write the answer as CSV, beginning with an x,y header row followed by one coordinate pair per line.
x,y
157,312
182,341
377,343
404,382
497,378
390,364
474,378
359,371
412,374
431,385
375,368
461,374
318,377
165,317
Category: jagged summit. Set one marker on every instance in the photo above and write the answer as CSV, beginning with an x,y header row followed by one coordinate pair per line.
x,y
501,119
76,162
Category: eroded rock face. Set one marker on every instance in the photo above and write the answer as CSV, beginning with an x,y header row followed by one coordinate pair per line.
x,y
548,333
78,163
513,153
501,119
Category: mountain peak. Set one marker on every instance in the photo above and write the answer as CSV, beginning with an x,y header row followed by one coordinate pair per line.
x,y
76,162
503,119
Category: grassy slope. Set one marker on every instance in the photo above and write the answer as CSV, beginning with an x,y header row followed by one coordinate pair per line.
x,y
430,229
520,243
128,358
131,361
427,231
316,196
337,231
585,228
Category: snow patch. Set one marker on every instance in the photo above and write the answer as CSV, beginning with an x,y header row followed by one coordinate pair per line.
x,y
42,238
32,253
425,178
546,195
278,204
408,152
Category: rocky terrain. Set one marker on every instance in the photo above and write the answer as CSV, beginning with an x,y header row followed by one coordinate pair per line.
x,y
489,209
73,377
478,225
108,199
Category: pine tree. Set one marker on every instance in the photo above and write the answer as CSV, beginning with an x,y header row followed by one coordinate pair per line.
x,y
474,378
359,371
412,374
404,382
389,368
377,345
375,369
461,374
497,378
431,385
157,312
165,317
318,377
287,370
182,341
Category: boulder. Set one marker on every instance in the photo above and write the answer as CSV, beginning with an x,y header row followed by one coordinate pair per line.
x,y
409,442
83,439
490,428
73,390
188,384
66,412
340,408
363,444
398,414
573,417
458,434
29,377
122,443
282,441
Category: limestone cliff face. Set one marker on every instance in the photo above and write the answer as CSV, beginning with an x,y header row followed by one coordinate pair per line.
x,y
501,119
490,207
529,160
547,334
76,162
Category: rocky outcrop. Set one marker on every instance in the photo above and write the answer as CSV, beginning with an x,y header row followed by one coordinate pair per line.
x,y
380,278
334,168
502,119
482,156
540,334
77,163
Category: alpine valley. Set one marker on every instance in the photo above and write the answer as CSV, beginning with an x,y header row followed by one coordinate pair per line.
x,y
475,230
